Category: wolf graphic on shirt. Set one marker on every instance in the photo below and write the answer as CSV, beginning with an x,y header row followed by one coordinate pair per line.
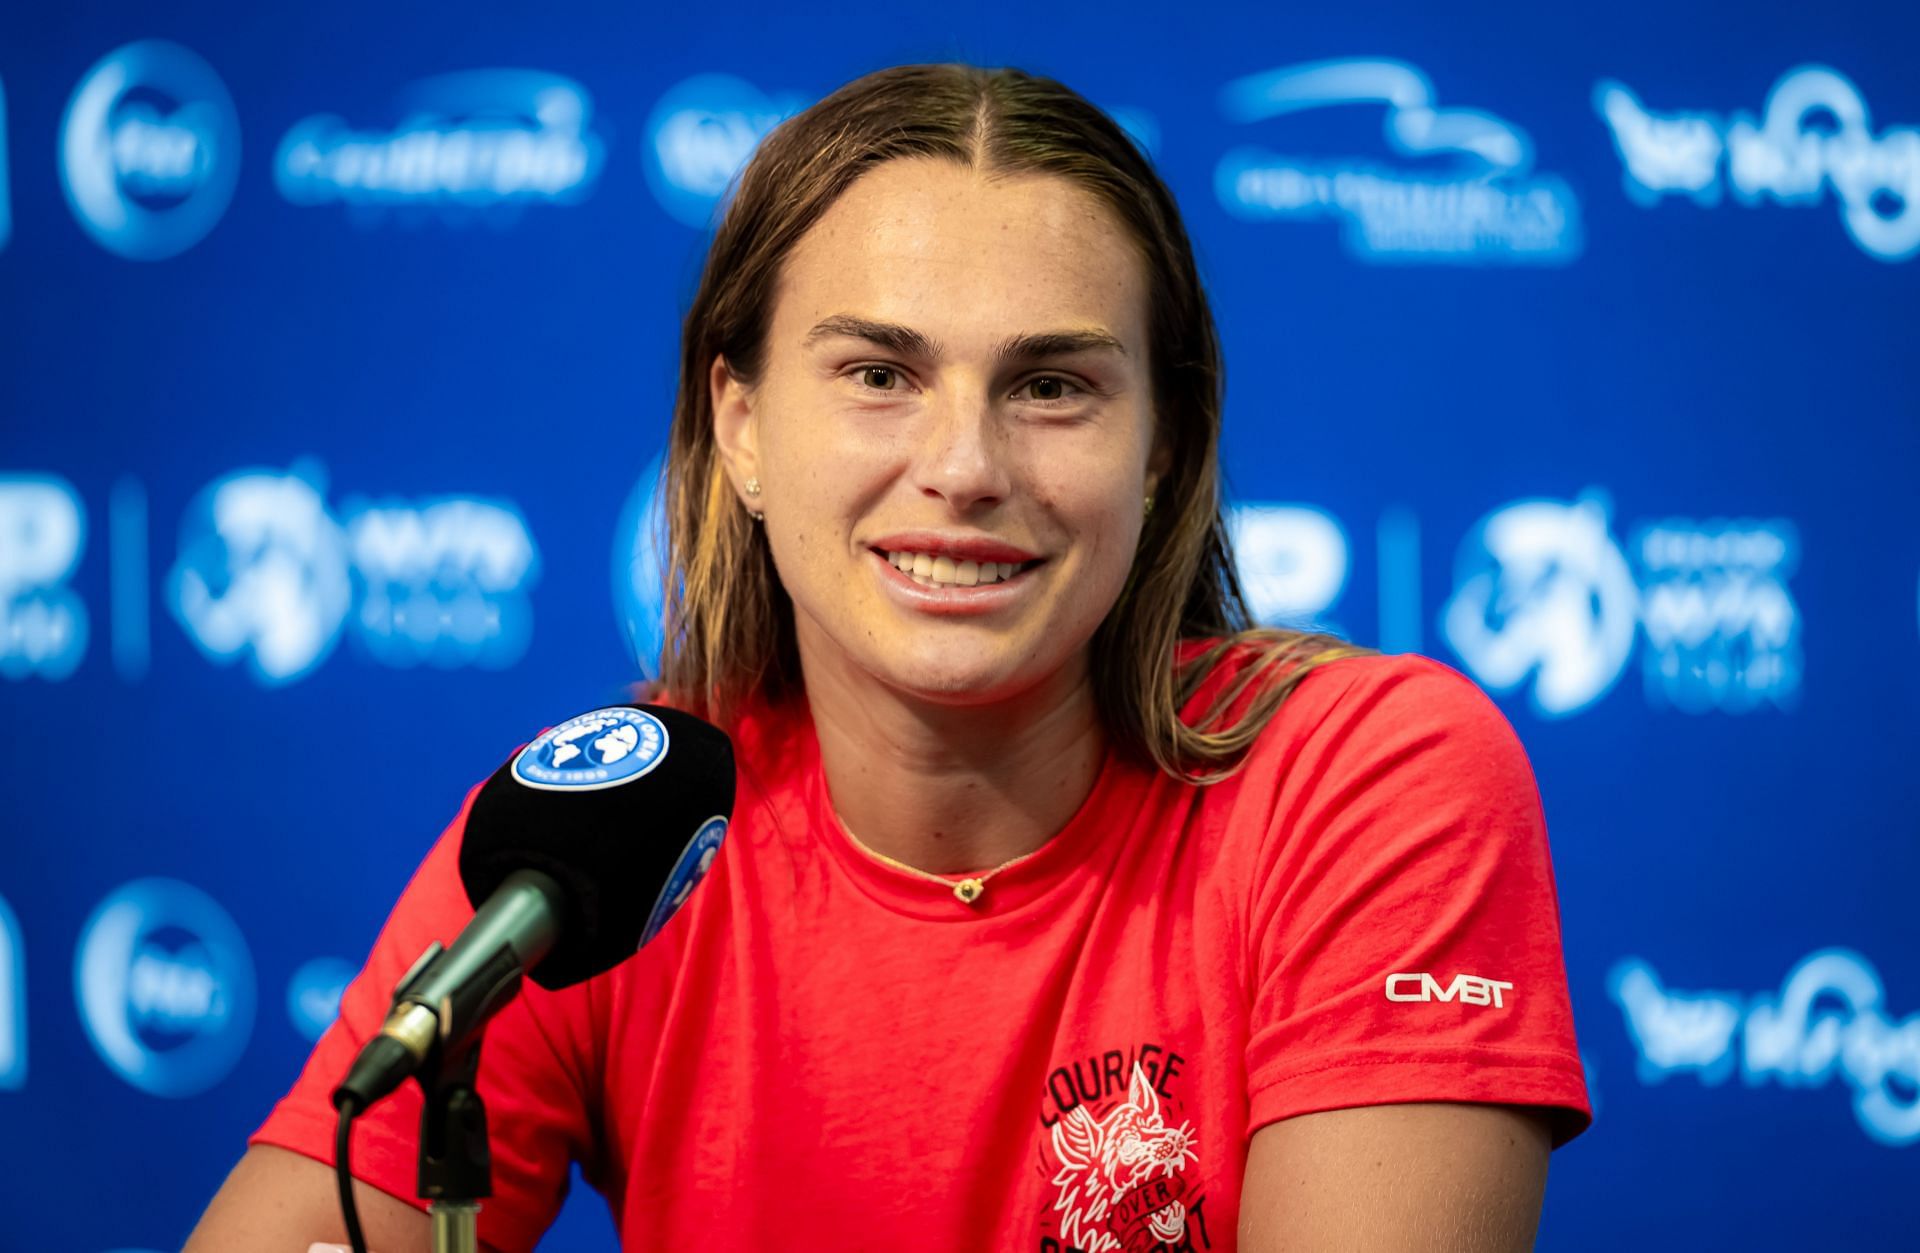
x,y
1121,1177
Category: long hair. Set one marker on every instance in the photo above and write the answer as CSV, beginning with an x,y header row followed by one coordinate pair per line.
x,y
728,627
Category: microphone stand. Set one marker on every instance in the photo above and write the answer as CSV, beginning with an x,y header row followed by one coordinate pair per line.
x,y
456,1164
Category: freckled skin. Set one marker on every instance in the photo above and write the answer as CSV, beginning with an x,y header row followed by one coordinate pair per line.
x,y
966,259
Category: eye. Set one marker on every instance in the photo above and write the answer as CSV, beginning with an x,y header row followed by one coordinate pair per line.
x,y
1051,389
880,378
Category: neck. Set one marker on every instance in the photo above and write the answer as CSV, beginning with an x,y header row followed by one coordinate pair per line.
x,y
952,789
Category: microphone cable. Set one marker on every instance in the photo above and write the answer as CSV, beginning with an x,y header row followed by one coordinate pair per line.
x,y
343,1173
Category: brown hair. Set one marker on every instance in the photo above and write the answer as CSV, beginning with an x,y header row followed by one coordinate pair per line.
x,y
729,624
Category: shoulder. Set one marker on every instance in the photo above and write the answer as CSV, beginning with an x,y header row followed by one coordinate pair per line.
x,y
1400,723
1402,696
1333,686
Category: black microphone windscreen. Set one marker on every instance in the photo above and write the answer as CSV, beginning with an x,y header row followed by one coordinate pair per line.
x,y
624,807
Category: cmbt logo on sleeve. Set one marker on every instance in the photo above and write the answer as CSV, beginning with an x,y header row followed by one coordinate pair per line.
x,y
1467,989
604,748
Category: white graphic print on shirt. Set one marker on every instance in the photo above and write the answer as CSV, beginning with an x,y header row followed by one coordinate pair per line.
x,y
1122,1175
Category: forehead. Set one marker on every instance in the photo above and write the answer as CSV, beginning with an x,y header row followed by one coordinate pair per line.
x,y
967,257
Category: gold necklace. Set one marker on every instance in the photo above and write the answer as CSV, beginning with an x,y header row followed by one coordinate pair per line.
x,y
968,890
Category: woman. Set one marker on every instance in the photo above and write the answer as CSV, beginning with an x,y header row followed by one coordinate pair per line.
x,y
1060,910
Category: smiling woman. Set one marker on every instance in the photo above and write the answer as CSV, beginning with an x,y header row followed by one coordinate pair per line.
x,y
1063,907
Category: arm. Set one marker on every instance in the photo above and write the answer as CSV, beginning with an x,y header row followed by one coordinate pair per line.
x,y
1436,1178
282,1195
280,1200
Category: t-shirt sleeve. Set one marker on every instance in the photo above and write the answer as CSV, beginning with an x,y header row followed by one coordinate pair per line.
x,y
533,1067
1405,930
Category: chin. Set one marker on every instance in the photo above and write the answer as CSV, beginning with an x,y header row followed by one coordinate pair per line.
x,y
955,687
943,677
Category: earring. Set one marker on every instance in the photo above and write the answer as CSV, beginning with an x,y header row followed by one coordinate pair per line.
x,y
1148,511
753,489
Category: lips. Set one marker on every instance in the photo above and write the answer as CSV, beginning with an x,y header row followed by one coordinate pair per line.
x,y
976,548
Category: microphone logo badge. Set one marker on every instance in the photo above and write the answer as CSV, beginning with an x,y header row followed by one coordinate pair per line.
x,y
604,748
692,867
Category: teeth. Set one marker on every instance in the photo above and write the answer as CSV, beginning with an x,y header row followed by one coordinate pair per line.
x,y
931,571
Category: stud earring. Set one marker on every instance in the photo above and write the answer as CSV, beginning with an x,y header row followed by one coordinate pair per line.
x,y
753,489
1148,511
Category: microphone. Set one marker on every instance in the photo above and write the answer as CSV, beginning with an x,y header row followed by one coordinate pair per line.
x,y
563,846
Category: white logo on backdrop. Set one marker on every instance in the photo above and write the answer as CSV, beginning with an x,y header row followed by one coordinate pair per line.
x,y
262,573
149,150
43,622
1722,630
267,572
442,582
1814,134
1292,561
1827,1022
165,986
1542,592
700,135
1484,206
480,139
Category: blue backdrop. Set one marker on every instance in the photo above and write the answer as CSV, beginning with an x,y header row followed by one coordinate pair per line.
x,y
1571,347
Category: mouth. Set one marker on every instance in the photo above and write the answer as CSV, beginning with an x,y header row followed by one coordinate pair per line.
x,y
944,573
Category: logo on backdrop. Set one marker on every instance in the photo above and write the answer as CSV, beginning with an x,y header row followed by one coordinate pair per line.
x,y
262,573
165,987
1722,630
1292,561
13,1002
313,995
43,622
268,573
443,581
700,135
695,860
1543,592
1461,190
1827,1022
604,748
149,150
1813,134
478,140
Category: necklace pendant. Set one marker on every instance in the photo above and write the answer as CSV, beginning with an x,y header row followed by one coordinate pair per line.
x,y
969,890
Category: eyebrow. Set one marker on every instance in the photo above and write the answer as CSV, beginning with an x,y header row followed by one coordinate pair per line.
x,y
909,342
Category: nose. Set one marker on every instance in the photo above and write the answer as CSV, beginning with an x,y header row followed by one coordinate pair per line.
x,y
963,459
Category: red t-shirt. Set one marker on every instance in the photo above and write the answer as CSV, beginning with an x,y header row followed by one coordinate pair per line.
x,y
821,1050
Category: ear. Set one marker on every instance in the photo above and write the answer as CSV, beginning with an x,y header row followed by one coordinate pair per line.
x,y
735,430
1159,459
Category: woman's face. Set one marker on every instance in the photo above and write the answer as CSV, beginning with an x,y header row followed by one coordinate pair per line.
x,y
953,429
